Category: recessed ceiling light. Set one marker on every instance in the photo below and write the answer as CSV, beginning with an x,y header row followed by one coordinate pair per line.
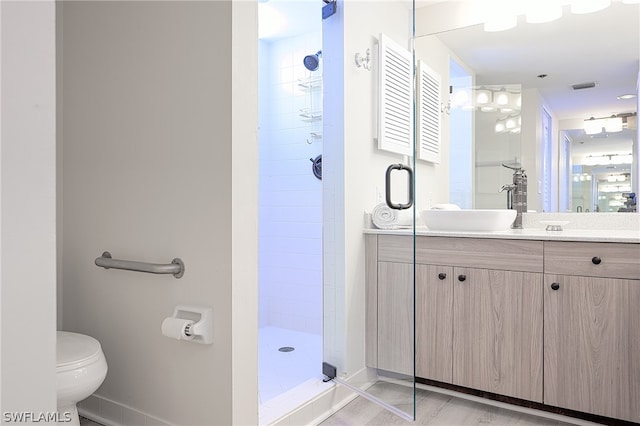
x,y
627,96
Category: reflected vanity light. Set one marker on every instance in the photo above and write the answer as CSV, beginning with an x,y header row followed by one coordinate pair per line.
x,y
541,11
502,15
613,124
593,126
502,98
500,21
460,99
491,99
509,124
581,177
483,97
588,6
606,160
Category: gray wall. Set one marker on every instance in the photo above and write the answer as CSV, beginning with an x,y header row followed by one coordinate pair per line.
x,y
146,153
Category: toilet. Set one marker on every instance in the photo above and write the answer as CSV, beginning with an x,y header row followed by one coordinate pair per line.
x,y
80,370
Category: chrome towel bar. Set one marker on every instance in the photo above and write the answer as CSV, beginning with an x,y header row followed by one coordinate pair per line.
x,y
176,267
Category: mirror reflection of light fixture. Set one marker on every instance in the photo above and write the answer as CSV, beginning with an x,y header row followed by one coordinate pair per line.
x,y
613,124
483,97
592,126
607,160
508,124
500,15
502,98
588,6
460,99
500,20
540,11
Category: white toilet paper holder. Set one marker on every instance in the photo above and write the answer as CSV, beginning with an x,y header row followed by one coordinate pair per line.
x,y
202,316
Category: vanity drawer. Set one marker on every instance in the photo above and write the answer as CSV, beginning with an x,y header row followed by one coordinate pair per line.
x,y
608,260
485,253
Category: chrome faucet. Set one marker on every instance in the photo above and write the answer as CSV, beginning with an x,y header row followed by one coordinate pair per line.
x,y
509,189
517,194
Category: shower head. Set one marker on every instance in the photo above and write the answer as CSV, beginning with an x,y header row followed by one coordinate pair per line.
x,y
311,62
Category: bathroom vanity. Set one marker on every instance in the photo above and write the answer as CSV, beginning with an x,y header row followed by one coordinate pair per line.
x,y
546,317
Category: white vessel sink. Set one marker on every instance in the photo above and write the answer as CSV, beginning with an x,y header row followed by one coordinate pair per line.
x,y
474,220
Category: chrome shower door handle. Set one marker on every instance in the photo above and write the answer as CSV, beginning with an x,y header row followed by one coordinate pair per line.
x,y
387,184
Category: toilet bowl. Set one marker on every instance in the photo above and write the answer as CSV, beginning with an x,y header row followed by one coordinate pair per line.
x,y
80,370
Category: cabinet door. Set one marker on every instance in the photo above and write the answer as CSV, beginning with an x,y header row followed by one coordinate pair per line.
x,y
395,317
434,317
497,332
592,345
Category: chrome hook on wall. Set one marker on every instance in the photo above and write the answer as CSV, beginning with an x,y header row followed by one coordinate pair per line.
x,y
364,61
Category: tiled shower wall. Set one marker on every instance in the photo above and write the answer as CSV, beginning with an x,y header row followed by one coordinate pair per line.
x,y
290,223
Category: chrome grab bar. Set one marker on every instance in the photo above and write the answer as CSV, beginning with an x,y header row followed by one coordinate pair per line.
x,y
176,267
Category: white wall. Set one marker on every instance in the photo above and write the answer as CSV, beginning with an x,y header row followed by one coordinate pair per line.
x,y
290,226
244,205
27,208
150,173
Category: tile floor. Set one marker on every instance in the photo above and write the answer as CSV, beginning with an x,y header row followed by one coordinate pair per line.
x,y
432,409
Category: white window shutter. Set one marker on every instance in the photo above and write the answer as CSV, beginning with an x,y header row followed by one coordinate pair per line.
x,y
428,113
395,129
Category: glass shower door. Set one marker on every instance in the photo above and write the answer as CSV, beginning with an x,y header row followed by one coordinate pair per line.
x,y
368,167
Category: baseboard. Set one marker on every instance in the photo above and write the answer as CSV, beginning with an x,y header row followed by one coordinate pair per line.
x,y
111,413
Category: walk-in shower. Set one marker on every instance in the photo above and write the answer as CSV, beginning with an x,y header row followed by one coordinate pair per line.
x,y
290,207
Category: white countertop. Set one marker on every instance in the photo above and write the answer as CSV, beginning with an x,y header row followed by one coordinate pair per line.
x,y
588,227
586,235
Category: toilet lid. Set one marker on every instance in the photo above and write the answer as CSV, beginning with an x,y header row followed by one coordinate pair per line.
x,y
73,348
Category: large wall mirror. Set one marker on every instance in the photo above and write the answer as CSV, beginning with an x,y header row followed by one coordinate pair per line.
x,y
521,96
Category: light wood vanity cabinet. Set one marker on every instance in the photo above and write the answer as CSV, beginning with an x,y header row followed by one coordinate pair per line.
x,y
486,332
592,328
434,322
475,327
497,332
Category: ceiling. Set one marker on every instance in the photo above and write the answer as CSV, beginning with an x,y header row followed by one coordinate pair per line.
x,y
601,47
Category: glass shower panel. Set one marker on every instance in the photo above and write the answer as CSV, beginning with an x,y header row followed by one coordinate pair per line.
x,y
368,294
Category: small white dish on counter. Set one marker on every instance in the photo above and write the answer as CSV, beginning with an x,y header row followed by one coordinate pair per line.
x,y
554,225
